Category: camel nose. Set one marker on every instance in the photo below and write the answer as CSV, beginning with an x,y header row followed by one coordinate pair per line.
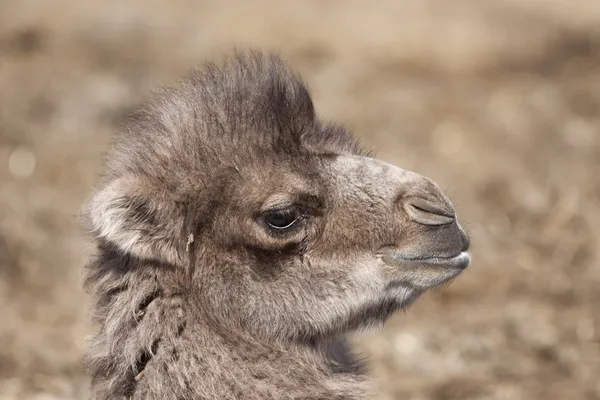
x,y
429,211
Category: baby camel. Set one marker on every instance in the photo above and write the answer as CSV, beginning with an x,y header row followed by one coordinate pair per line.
x,y
239,238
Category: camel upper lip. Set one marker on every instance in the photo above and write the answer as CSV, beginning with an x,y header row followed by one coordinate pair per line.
x,y
396,256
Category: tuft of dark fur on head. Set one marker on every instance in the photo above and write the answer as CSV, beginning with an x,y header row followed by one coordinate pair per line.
x,y
251,102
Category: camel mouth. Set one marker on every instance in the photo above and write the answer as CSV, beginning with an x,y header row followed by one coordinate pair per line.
x,y
395,257
459,261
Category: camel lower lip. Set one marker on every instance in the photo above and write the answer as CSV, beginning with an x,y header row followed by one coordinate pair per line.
x,y
461,260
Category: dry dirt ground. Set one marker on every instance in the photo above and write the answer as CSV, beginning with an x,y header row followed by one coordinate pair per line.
x,y
498,100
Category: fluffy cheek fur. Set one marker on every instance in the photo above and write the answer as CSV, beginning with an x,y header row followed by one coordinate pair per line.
x,y
312,299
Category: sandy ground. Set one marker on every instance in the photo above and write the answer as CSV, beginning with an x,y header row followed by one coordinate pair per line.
x,y
498,100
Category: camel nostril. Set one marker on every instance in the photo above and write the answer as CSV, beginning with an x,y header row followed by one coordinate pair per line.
x,y
428,212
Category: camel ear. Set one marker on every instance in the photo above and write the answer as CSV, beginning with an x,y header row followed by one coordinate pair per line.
x,y
138,218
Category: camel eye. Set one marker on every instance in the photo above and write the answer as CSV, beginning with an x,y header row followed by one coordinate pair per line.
x,y
281,219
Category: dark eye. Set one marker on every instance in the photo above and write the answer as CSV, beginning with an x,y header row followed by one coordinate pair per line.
x,y
281,219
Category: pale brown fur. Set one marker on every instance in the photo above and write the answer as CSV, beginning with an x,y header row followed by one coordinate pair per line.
x,y
201,292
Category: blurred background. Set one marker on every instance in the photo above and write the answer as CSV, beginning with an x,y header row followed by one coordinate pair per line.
x,y
497,100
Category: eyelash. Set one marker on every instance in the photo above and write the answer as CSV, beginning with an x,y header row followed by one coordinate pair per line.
x,y
282,220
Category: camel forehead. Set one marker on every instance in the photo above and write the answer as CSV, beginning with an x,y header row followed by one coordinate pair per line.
x,y
273,186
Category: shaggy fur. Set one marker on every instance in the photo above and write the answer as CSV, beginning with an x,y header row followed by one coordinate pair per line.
x,y
202,290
